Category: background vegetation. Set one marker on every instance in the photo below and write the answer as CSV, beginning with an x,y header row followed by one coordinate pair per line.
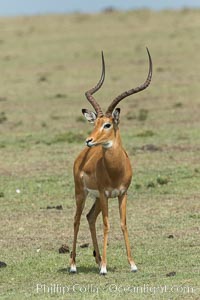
x,y
47,63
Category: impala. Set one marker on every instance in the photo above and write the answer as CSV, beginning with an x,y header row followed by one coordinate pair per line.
x,y
103,170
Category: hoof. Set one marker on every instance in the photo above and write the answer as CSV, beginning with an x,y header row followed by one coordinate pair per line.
x,y
134,268
103,271
73,269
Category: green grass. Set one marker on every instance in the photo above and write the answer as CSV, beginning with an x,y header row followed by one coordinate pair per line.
x,y
47,63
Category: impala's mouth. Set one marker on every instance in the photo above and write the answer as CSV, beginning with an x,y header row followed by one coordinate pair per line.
x,y
104,145
90,143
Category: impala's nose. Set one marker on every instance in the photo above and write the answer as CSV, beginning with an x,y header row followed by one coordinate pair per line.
x,y
89,142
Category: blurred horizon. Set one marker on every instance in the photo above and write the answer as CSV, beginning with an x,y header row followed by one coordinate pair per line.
x,y
35,7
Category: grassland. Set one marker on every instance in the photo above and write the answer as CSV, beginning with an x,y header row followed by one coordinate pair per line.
x,y
47,63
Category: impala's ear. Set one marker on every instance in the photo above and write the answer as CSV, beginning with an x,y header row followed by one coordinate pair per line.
x,y
89,115
115,115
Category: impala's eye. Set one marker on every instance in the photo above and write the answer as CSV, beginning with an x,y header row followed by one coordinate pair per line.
x,y
107,125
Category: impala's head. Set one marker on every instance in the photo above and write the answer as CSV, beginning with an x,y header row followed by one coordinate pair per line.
x,y
106,125
104,128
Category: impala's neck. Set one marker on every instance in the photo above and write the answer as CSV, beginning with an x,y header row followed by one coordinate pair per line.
x,y
113,155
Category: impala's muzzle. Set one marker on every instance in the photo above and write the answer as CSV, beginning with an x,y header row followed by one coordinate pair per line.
x,y
89,142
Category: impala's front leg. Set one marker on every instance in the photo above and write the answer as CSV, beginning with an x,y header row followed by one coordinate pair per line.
x,y
104,209
122,210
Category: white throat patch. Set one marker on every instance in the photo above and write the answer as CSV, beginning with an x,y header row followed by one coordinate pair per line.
x,y
107,145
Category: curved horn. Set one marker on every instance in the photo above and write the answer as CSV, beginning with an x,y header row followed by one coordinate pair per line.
x,y
132,91
90,92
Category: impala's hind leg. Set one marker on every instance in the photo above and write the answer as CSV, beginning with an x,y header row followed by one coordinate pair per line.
x,y
106,227
122,210
92,217
80,203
